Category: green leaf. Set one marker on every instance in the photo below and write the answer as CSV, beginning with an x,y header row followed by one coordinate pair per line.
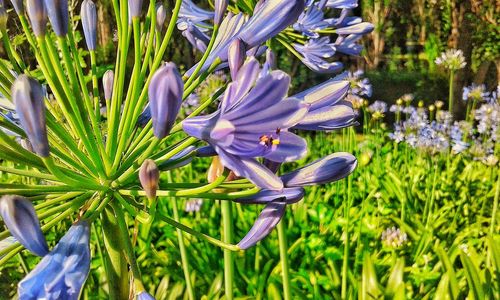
x,y
395,285
473,278
369,286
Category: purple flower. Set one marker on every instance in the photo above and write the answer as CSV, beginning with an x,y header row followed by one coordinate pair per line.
x,y
359,29
236,57
265,223
269,19
134,8
195,36
220,9
107,84
378,107
288,195
315,54
179,160
165,98
161,16
342,3
327,109
310,20
20,218
145,296
58,15
38,16
193,205
347,44
62,272
252,121
324,170
192,12
27,95
89,23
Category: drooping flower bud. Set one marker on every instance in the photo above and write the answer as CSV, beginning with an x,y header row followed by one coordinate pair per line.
x,y
165,98
134,8
38,16
265,223
27,95
18,6
58,15
236,56
145,296
107,84
61,273
89,23
3,15
324,170
149,177
161,16
220,9
20,218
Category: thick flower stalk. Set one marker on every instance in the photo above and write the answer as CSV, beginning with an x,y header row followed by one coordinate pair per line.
x,y
97,146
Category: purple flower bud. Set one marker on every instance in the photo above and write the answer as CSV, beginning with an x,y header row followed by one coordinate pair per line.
x,y
27,95
107,84
145,296
265,223
149,177
38,16
269,19
236,56
206,151
20,218
165,98
179,160
288,195
89,23
161,16
324,170
220,9
360,28
270,59
134,8
61,273
18,6
58,15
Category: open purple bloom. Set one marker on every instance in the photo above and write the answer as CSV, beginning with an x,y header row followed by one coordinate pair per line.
x,y
315,54
310,20
252,121
62,272
324,170
88,14
58,15
288,195
192,12
327,109
347,44
28,95
196,36
165,98
265,223
20,218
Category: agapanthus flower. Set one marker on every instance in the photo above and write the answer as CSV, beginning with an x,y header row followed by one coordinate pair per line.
x,y
88,14
58,13
311,20
327,110
252,121
193,205
38,16
398,135
360,85
341,3
394,237
475,92
195,35
315,53
452,59
192,12
62,272
20,218
145,296
378,107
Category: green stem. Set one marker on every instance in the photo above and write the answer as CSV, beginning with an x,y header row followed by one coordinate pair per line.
x,y
450,93
495,206
284,259
115,262
184,257
227,237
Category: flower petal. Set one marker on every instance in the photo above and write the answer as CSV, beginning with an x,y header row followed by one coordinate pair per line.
x,y
291,147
